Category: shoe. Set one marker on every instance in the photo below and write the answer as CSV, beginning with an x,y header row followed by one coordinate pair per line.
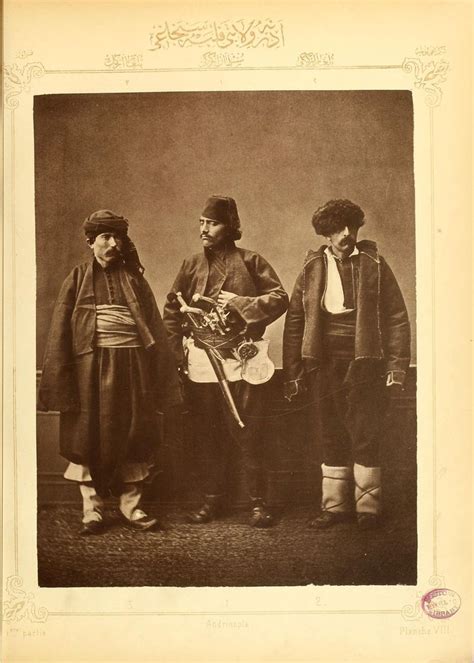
x,y
261,517
328,519
208,511
144,523
203,515
92,527
368,521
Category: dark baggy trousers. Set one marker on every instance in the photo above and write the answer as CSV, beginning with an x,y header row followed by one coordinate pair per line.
x,y
352,415
352,402
352,398
215,431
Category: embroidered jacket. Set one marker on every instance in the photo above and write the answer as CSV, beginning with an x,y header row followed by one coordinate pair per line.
x,y
382,336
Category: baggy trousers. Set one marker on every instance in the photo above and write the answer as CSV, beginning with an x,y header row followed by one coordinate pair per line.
x,y
215,431
352,415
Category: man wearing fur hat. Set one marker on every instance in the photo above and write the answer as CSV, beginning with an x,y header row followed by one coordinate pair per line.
x,y
347,333
108,371
249,291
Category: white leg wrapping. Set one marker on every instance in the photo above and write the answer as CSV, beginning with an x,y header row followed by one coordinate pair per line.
x,y
368,489
336,488
130,499
92,504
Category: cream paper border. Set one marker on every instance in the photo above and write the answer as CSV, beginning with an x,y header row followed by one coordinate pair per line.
x,y
52,48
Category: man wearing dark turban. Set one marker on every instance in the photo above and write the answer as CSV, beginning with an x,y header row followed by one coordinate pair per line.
x,y
347,340
246,287
108,371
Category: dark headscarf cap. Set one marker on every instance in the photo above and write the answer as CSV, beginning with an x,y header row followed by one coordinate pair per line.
x,y
105,221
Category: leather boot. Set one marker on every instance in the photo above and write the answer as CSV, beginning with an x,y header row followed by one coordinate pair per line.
x,y
208,511
260,516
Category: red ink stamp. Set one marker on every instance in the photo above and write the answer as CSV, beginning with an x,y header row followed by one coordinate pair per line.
x,y
441,603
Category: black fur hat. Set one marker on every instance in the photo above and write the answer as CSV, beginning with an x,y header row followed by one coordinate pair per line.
x,y
335,215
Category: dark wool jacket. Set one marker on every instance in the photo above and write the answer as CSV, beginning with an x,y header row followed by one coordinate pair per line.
x,y
382,337
72,339
260,299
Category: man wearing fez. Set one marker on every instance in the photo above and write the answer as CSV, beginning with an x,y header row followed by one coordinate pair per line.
x,y
248,289
108,371
347,331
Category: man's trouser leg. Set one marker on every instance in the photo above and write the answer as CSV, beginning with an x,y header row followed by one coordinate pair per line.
x,y
130,500
336,443
92,503
249,402
368,489
130,507
210,439
133,475
210,449
367,407
336,489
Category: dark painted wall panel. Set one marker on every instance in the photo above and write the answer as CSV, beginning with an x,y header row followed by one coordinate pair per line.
x,y
291,454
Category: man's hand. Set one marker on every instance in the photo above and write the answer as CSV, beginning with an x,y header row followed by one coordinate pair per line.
x,y
183,380
182,374
224,297
295,390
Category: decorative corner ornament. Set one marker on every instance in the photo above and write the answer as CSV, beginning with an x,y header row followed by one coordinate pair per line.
x,y
428,76
18,78
436,581
412,612
21,604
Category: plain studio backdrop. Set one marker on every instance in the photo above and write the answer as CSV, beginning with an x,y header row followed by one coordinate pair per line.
x,y
155,157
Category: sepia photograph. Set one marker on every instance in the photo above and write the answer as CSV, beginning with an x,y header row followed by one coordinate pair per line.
x,y
226,329
236,388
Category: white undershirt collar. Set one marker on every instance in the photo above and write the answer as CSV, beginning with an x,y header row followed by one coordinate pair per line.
x,y
333,297
328,251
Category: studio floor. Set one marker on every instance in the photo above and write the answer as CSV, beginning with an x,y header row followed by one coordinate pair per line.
x,y
227,552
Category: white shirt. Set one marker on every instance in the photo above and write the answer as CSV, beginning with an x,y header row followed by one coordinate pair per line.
x,y
333,297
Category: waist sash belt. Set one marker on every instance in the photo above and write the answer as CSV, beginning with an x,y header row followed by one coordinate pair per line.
x,y
116,327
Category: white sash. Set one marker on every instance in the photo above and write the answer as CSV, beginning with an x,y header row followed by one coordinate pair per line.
x,y
116,327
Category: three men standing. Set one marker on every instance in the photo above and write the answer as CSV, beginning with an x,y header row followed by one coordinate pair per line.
x,y
108,371
246,288
347,341
109,364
